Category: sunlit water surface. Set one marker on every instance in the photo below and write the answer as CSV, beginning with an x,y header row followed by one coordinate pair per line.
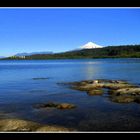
x,y
19,92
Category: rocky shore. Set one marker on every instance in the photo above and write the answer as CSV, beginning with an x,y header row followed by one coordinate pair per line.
x,y
18,125
118,90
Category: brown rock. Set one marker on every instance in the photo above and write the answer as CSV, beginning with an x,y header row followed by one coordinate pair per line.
x,y
95,92
128,90
52,128
123,99
97,84
17,125
65,106
45,105
56,105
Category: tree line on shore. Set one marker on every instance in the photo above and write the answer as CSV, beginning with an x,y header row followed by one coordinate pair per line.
x,y
124,51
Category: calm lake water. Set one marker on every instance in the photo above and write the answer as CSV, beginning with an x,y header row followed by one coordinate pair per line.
x,y
19,92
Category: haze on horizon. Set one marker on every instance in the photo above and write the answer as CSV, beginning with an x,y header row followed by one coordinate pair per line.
x,y
63,29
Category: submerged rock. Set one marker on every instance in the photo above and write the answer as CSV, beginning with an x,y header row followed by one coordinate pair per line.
x,y
18,125
95,92
45,105
119,90
40,78
56,105
53,128
123,99
130,91
116,86
98,84
65,106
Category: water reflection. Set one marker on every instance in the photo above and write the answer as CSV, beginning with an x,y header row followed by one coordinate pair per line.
x,y
91,70
18,92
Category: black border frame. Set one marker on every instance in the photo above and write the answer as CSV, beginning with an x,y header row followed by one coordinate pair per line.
x,y
64,3
69,3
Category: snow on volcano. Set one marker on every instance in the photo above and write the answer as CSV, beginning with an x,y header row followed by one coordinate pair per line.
x,y
90,45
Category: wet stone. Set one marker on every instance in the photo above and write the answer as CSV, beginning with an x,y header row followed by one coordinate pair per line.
x,y
55,105
123,99
95,92
18,125
118,90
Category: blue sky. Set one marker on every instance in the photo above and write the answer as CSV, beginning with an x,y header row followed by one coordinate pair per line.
x,y
63,29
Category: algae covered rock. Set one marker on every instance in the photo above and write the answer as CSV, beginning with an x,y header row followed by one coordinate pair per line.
x,y
123,99
55,105
66,106
95,92
52,128
130,91
119,91
18,125
101,83
46,105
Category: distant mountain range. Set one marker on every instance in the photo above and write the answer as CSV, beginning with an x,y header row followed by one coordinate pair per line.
x,y
32,53
124,51
89,50
89,45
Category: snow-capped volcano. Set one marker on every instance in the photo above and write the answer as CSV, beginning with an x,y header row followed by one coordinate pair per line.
x,y
90,45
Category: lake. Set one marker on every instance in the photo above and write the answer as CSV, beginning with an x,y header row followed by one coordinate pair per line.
x,y
20,90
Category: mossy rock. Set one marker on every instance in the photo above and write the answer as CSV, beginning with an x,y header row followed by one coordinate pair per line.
x,y
52,128
116,86
101,83
46,105
18,125
55,105
123,99
128,91
66,106
95,92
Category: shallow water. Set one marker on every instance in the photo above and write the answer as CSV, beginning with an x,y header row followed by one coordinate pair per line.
x,y
19,92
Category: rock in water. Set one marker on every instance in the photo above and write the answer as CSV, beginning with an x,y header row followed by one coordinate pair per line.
x,y
45,105
130,91
56,105
119,91
17,125
52,128
94,92
65,106
123,99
